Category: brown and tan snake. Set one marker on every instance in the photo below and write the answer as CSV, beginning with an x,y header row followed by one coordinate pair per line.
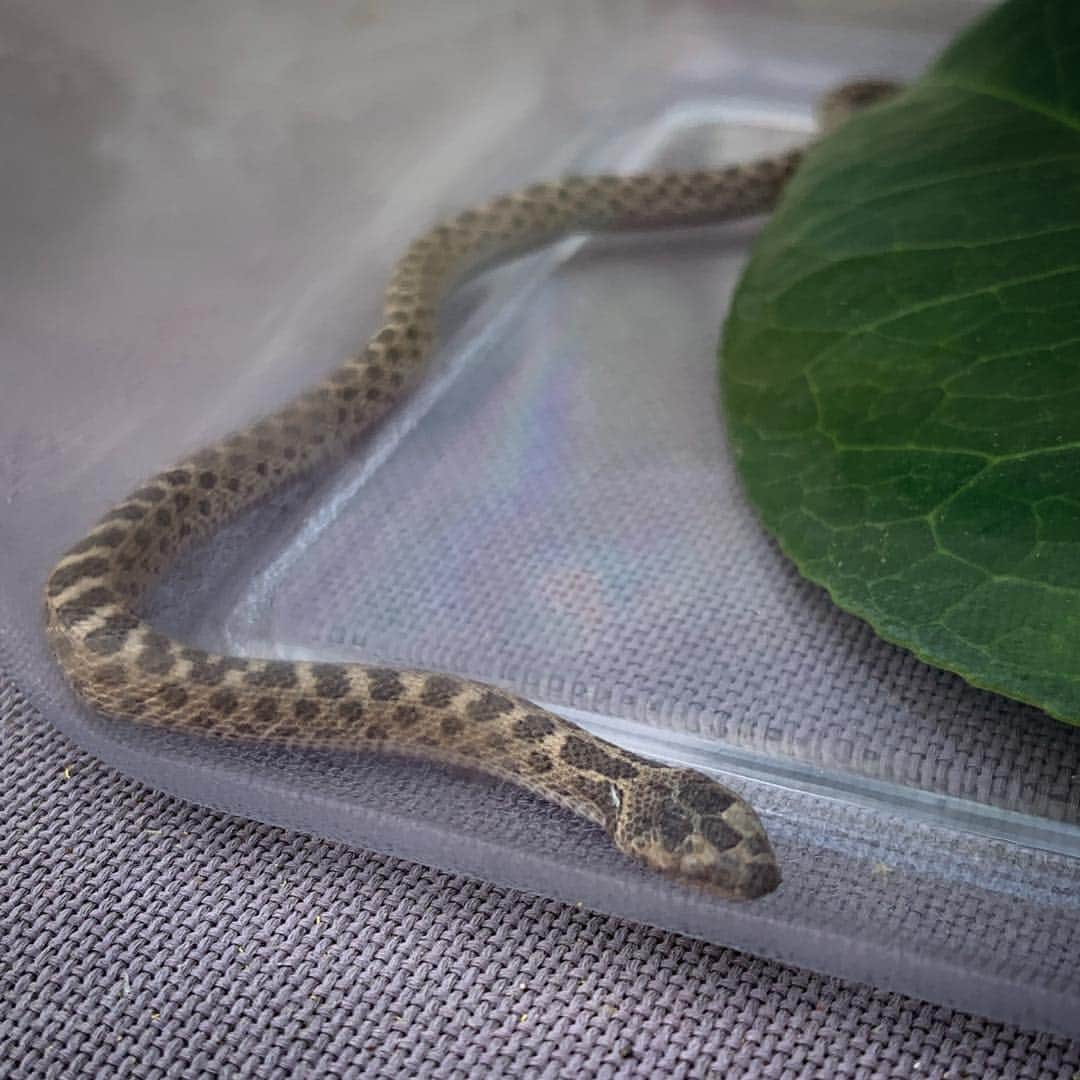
x,y
677,821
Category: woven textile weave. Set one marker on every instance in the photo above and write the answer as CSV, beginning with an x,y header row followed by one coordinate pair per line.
x,y
150,938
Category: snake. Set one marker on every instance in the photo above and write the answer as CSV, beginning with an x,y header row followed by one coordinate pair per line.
x,y
676,821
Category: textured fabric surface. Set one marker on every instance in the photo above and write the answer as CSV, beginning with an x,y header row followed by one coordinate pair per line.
x,y
148,937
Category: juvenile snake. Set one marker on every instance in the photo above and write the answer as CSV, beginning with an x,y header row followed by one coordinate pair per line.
x,y
676,821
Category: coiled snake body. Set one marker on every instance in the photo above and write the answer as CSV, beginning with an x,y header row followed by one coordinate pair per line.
x,y
676,821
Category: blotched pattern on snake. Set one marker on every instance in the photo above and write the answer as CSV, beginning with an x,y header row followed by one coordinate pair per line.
x,y
677,821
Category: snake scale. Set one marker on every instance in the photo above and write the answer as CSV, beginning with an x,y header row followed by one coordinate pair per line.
x,y
676,821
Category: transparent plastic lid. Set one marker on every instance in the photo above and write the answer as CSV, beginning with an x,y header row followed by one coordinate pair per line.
x,y
202,211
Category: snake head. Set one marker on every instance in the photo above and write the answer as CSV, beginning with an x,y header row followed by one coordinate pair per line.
x,y
698,832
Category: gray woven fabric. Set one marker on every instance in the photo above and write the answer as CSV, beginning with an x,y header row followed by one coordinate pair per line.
x,y
148,937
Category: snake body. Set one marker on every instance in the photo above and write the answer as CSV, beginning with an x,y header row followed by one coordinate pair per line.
x,y
677,821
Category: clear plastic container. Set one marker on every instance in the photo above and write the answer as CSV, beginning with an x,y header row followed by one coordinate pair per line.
x,y
203,206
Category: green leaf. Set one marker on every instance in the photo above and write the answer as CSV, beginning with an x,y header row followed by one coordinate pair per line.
x,y
901,364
